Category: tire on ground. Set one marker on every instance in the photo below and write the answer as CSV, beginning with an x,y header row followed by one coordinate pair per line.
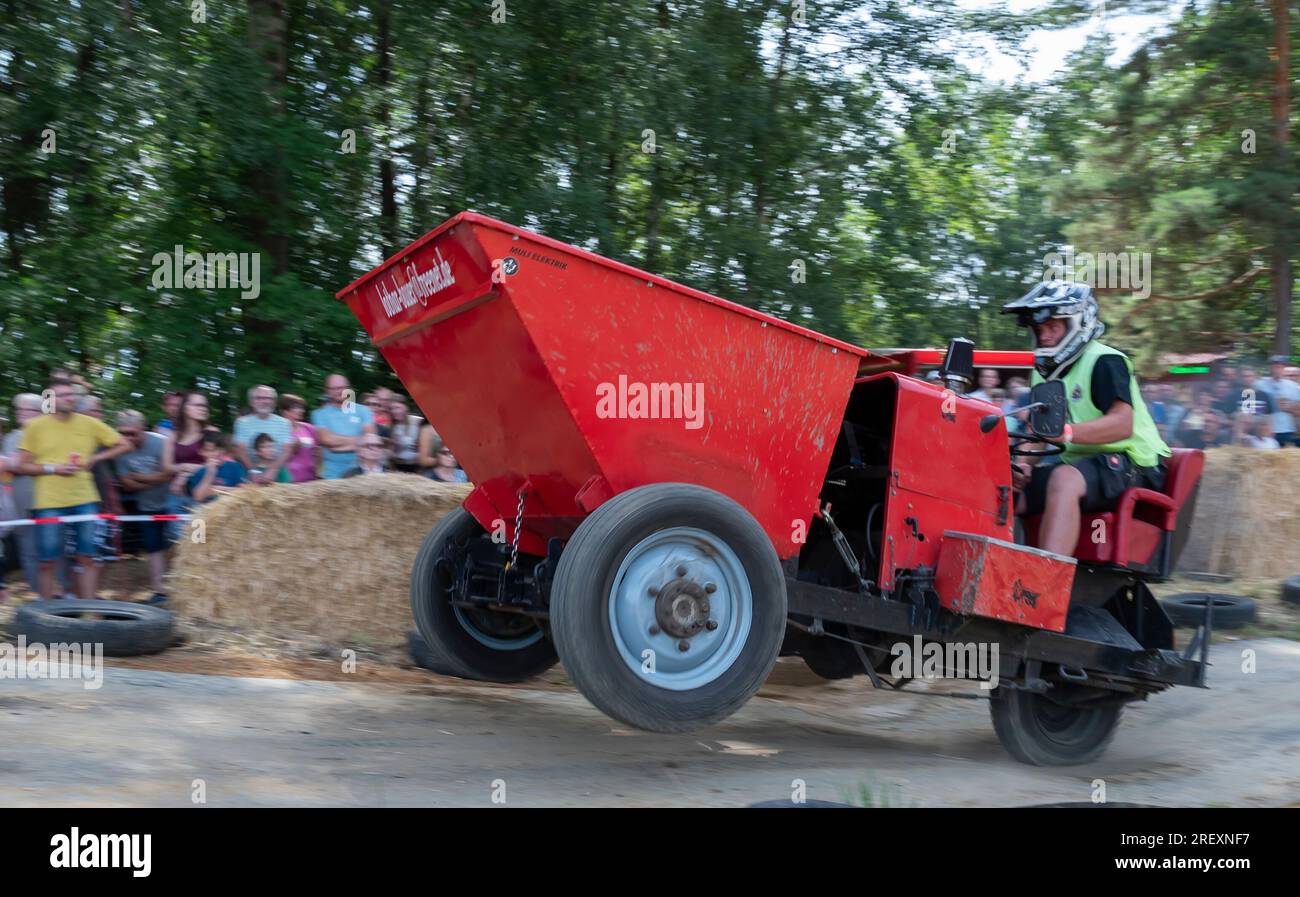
x,y
487,646
581,598
123,629
423,657
1039,732
1291,589
1187,609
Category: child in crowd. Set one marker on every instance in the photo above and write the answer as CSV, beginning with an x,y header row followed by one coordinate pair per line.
x,y
265,453
219,473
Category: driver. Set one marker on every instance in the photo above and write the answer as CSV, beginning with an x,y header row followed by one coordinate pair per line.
x,y
1110,443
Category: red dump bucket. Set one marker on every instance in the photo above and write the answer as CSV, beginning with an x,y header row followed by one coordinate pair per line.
x,y
551,369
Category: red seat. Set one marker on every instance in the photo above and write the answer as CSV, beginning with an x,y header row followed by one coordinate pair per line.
x,y
1131,534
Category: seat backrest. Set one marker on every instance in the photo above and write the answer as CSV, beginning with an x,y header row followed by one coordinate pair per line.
x,y
1183,473
1181,480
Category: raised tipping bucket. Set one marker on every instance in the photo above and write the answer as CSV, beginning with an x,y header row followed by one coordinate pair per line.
x,y
550,368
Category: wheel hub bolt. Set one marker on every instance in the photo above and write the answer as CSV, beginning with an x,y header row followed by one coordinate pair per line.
x,y
654,629
711,625
681,569
653,590
683,645
710,587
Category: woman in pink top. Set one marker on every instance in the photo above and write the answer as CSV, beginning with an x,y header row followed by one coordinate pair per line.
x,y
302,465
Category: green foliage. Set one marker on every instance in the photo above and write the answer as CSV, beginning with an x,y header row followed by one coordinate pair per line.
x,y
1178,159
916,196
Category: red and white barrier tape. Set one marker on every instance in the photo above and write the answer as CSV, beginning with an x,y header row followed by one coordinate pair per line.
x,y
86,518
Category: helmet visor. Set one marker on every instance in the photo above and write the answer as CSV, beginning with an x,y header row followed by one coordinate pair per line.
x,y
1030,316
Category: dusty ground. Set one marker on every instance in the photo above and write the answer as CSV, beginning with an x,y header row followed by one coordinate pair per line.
x,y
398,738
279,722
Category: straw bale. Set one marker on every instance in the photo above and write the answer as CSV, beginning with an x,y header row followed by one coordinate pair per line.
x,y
1247,520
331,558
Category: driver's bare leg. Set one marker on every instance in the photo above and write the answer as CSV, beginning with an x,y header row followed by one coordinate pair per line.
x,y
1059,531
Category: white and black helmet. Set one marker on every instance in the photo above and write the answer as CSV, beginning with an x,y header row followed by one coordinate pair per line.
x,y
1072,302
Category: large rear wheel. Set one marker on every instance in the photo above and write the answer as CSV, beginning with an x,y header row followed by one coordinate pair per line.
x,y
1042,732
469,643
668,607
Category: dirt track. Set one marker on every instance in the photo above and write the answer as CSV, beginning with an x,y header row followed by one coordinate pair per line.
x,y
146,735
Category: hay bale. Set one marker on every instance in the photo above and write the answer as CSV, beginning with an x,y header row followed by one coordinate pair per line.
x,y
1247,519
331,558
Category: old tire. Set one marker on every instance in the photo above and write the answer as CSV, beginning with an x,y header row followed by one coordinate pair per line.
x,y
1188,609
831,665
486,646
708,561
123,628
1291,589
421,656
1041,732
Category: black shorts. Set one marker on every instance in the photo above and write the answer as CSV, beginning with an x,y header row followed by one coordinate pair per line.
x,y
9,558
154,536
1106,478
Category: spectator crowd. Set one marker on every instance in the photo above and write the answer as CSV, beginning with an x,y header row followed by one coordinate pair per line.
x,y
1237,405
59,458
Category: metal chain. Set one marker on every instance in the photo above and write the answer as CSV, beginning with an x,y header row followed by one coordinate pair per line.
x,y
519,525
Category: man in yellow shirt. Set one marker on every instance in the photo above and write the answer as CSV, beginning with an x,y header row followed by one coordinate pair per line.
x,y
59,449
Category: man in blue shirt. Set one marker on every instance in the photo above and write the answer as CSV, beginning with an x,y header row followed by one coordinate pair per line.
x,y
339,424
263,420
1286,400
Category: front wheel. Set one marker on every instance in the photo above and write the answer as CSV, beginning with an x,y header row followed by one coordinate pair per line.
x,y
469,643
1042,732
668,607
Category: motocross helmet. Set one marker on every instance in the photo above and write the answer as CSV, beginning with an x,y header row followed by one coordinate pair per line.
x,y
1072,302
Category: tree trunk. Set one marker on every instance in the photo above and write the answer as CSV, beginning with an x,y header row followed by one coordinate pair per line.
x,y
268,31
420,218
268,220
654,209
1281,134
773,110
388,236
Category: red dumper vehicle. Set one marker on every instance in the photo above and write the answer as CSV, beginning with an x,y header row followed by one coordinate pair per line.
x,y
672,490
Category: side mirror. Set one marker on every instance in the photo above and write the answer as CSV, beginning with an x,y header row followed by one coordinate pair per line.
x,y
958,371
1049,418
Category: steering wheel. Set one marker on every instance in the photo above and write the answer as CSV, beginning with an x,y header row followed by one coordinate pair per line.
x,y
1018,439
